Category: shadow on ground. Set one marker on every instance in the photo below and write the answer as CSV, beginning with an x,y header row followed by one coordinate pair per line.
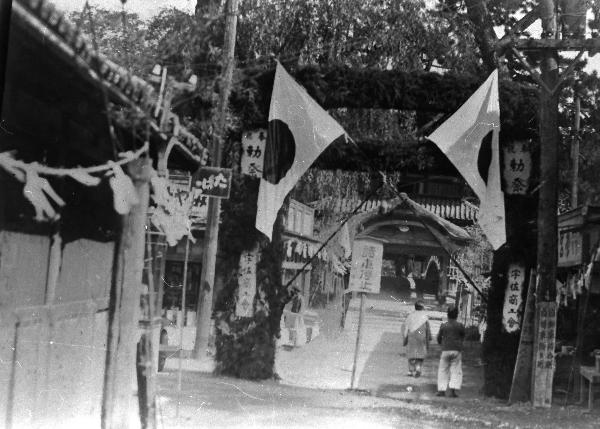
x,y
386,371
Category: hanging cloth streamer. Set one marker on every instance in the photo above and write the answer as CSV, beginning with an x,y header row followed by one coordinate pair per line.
x,y
124,194
37,191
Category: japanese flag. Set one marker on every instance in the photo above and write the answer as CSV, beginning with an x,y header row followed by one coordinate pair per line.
x,y
470,140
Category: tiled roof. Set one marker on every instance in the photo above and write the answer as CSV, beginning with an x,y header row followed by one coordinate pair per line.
x,y
448,208
53,27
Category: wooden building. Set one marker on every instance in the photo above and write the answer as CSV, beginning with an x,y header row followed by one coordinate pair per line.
x,y
578,294
70,281
415,250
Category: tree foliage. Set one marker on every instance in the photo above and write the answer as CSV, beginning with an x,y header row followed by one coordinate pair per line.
x,y
381,34
122,37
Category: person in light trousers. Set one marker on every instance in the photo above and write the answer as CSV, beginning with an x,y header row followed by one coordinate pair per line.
x,y
450,336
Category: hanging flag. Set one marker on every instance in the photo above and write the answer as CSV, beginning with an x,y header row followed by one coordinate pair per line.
x,y
299,130
469,138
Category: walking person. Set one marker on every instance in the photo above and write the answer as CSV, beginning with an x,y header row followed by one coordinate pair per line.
x,y
417,336
450,336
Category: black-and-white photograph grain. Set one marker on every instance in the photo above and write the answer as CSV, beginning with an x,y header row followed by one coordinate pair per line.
x,y
298,214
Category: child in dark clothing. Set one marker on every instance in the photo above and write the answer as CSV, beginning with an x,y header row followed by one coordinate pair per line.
x,y
450,336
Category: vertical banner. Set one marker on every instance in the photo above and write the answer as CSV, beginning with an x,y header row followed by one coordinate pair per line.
x,y
520,389
365,274
517,168
511,316
253,152
246,284
543,369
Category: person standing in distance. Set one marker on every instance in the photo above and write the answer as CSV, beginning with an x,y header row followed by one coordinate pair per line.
x,y
417,336
450,336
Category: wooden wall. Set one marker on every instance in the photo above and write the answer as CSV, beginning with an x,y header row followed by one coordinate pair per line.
x,y
52,342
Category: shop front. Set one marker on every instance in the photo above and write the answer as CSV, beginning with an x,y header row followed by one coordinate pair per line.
x,y
578,296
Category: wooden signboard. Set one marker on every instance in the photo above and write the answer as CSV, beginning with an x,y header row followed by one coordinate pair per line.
x,y
365,274
543,358
213,181
520,389
570,248
179,186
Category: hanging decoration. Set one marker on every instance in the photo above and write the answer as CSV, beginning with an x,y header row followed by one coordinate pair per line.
x,y
124,194
304,250
41,195
338,266
37,191
172,214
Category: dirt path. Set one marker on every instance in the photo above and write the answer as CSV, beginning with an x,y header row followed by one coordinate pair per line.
x,y
217,402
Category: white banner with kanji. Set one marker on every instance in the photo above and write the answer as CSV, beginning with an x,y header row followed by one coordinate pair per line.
x,y
511,314
517,168
365,274
253,152
246,284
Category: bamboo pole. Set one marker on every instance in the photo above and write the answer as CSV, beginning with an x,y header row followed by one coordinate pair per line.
x,y
181,323
358,340
148,351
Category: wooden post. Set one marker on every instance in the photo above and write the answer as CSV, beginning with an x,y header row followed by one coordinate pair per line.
x,y
548,194
575,154
209,258
358,340
520,389
147,383
443,284
5,12
124,306
582,304
181,322
54,262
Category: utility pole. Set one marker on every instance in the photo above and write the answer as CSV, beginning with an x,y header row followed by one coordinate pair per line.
x,y
209,258
575,154
549,140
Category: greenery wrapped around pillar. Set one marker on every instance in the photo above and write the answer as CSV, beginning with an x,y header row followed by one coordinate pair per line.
x,y
500,347
245,347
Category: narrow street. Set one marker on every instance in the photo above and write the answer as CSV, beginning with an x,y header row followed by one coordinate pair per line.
x,y
219,402
314,388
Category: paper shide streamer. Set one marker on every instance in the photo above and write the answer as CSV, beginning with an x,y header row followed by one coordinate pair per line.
x,y
44,199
